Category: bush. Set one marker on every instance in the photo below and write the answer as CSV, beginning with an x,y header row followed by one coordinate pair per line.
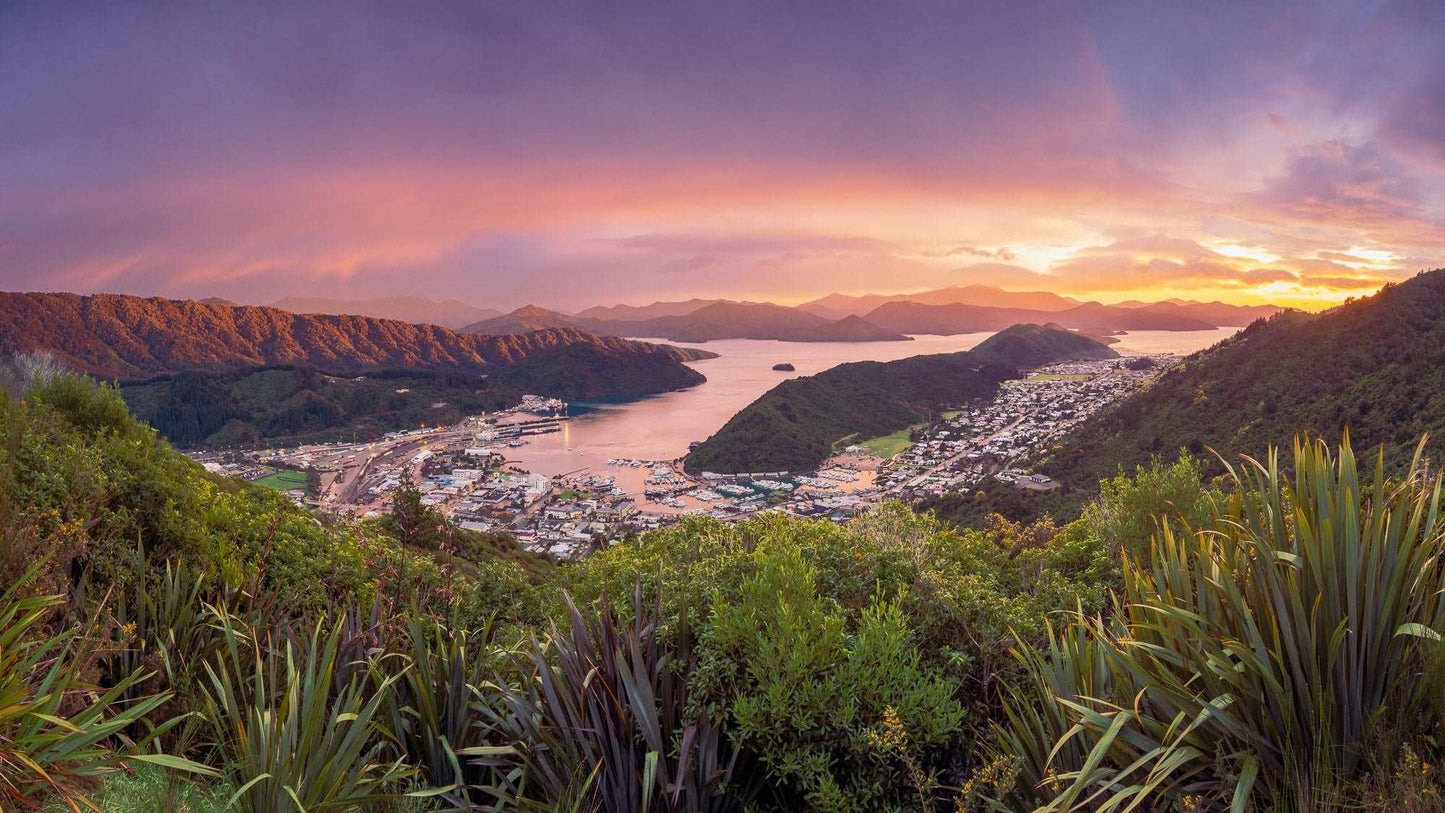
x,y
608,721
842,716
294,730
1257,655
58,731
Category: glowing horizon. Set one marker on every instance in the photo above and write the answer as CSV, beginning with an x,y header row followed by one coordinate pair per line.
x,y
573,156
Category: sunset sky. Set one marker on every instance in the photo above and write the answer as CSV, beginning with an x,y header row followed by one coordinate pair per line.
x,y
600,152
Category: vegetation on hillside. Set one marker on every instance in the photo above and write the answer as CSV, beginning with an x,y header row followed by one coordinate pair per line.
x,y
1376,365
1269,641
580,372
1028,345
290,404
298,405
128,337
797,424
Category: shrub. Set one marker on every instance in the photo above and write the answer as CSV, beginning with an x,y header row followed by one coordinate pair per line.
x,y
289,739
608,722
434,709
57,731
842,716
1258,654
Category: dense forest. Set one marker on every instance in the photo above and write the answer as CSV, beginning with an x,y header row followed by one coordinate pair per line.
x,y
1375,366
287,404
172,640
799,423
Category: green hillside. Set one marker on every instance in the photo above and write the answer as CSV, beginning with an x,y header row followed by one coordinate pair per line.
x,y
1031,345
795,425
578,372
293,405
1375,366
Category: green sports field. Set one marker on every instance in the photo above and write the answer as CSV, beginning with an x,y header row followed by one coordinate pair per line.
x,y
285,480
889,445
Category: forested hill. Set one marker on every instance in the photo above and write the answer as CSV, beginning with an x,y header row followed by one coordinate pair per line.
x,y
1375,366
795,425
125,337
1036,345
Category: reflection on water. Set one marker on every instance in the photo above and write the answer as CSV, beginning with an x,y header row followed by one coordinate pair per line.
x,y
660,427
1143,342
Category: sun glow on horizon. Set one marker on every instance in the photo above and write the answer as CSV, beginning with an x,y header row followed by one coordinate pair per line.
x,y
548,156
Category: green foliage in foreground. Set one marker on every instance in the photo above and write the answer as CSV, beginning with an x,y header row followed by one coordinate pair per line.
x,y
83,483
147,789
56,730
1270,642
1268,657
293,720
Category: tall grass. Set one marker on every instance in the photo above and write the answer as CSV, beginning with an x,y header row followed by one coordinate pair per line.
x,y
1255,655
288,740
452,673
59,731
607,723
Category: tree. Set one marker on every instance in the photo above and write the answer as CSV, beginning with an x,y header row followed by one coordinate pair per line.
x,y
414,523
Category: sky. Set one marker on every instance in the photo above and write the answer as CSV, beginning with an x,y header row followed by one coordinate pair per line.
x,y
572,154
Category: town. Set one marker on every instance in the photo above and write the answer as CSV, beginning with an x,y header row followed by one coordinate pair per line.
x,y
464,472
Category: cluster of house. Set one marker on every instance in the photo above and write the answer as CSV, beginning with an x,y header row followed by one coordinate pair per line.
x,y
462,470
996,439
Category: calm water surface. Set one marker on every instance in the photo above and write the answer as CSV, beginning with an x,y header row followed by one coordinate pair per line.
x,y
660,427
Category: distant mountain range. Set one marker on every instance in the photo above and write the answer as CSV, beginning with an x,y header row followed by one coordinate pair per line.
x,y
1090,317
714,320
1375,366
797,424
637,313
129,337
523,320
415,309
871,318
1218,313
835,306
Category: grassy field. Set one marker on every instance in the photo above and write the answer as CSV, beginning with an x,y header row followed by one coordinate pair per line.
x,y
1060,377
950,415
286,479
890,445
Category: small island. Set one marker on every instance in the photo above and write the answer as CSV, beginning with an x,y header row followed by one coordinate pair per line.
x,y
785,367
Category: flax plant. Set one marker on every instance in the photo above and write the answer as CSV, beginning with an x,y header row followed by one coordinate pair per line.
x,y
58,732
1255,655
289,740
